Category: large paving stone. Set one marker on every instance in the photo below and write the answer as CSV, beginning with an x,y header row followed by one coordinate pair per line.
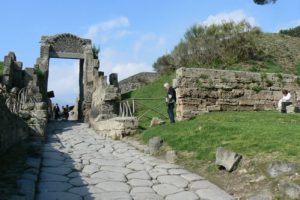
x,y
192,177
53,155
213,194
184,195
203,184
147,196
44,176
52,162
168,166
122,170
110,176
103,162
78,181
136,190
154,173
139,175
90,169
57,170
109,196
140,183
178,171
57,196
114,186
82,191
166,189
173,180
53,186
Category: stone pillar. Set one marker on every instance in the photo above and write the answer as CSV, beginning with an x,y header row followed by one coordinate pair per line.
x,y
113,79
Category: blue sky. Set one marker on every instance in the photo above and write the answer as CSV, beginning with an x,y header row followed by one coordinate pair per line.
x,y
131,33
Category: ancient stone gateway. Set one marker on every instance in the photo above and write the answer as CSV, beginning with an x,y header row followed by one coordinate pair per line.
x,y
71,47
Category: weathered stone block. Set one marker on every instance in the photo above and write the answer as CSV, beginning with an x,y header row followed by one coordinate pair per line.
x,y
154,144
227,159
277,168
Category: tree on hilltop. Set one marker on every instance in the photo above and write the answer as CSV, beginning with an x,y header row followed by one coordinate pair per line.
x,y
263,2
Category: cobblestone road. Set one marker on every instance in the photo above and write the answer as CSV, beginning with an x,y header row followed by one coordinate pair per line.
x,y
80,164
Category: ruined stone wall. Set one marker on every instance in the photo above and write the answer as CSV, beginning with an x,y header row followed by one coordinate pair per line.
x,y
26,100
136,81
104,99
12,128
205,90
12,72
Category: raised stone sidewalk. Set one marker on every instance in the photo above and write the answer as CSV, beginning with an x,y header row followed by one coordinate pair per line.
x,y
79,164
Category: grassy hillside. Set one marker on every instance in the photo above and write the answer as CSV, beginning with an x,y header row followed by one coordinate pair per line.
x,y
283,55
284,51
248,133
244,132
233,46
153,96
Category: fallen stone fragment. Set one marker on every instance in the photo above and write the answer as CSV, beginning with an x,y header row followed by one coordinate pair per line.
x,y
171,156
154,144
227,159
277,168
292,190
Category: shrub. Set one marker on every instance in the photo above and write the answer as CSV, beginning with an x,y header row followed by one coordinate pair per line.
x,y
257,88
96,51
298,80
39,72
214,46
269,83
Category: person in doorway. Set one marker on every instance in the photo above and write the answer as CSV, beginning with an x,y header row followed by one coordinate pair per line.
x,y
66,112
56,111
285,101
170,101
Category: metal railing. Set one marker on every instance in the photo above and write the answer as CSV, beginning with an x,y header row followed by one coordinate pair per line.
x,y
129,107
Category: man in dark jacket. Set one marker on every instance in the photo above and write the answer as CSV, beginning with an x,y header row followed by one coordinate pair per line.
x,y
170,100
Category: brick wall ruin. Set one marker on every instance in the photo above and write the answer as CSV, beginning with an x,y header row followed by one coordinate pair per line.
x,y
205,90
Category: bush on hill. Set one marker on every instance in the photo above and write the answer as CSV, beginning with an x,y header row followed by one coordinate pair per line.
x,y
217,46
294,32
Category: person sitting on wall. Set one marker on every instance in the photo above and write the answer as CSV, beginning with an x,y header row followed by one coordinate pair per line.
x,y
285,101
170,101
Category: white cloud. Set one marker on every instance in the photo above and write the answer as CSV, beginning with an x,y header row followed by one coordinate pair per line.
x,y
236,16
291,24
125,70
148,41
96,29
64,80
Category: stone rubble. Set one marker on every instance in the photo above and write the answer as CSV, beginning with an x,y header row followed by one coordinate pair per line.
x,y
111,169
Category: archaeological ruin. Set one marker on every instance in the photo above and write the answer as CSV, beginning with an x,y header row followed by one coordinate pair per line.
x,y
207,90
27,89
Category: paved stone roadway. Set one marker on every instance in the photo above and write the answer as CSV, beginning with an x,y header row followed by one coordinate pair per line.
x,y
80,164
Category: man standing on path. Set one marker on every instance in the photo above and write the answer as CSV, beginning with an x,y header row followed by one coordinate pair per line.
x,y
170,100
56,112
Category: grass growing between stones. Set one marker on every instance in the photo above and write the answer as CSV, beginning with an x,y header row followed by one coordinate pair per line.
x,y
248,133
155,93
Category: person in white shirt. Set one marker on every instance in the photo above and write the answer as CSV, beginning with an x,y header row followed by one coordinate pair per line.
x,y
285,101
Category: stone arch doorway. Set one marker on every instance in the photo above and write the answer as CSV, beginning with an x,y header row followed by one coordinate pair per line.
x,y
68,46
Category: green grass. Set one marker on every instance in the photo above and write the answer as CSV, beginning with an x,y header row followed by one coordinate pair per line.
x,y
248,133
152,90
1,68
